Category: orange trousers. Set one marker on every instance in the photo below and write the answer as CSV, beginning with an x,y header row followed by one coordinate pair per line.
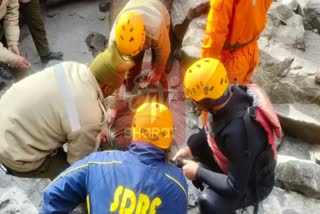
x,y
240,65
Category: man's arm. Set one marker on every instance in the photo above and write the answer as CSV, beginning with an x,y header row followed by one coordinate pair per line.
x,y
67,191
162,50
217,28
7,57
11,23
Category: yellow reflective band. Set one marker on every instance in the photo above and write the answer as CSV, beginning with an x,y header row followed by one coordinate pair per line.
x,y
105,163
177,182
88,204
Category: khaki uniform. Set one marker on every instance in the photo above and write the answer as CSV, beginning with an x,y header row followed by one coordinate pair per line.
x,y
47,109
9,28
157,24
30,10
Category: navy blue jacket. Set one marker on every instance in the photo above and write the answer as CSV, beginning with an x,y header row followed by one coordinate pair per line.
x,y
135,181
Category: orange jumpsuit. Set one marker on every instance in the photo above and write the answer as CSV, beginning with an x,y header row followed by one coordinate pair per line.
x,y
231,35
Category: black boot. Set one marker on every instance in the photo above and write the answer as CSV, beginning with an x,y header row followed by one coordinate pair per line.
x,y
52,56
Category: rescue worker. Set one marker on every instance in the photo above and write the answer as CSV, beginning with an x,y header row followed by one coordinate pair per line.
x,y
227,39
236,149
62,104
135,181
9,40
142,25
231,35
30,10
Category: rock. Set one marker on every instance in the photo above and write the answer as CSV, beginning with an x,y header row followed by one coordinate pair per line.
x,y
104,6
300,120
191,44
284,26
96,43
286,202
299,149
183,11
293,5
312,15
283,84
298,175
14,200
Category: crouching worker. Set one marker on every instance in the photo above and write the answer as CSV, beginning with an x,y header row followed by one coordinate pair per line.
x,y
236,149
135,181
62,104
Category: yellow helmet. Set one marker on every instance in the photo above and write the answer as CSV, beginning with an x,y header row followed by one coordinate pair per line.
x,y
153,123
130,33
206,78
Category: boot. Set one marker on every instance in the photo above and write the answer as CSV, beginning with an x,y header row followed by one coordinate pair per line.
x,y
51,56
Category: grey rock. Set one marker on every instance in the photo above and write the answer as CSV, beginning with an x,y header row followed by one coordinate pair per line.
x,y
14,200
96,43
283,84
299,149
312,15
191,44
300,120
281,201
183,11
284,26
298,175
192,124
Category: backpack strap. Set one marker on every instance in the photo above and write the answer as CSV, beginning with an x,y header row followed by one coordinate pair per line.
x,y
247,118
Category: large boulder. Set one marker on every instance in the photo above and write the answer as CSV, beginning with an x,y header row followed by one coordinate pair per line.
x,y
192,41
300,120
287,75
284,26
312,15
299,149
281,201
298,175
182,13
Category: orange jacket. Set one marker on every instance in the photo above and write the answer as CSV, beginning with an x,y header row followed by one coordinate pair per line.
x,y
233,24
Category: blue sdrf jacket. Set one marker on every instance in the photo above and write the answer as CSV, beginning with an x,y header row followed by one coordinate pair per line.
x,y
134,181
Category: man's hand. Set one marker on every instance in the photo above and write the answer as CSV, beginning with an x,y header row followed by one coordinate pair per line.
x,y
22,63
14,49
184,153
111,115
101,138
154,77
190,169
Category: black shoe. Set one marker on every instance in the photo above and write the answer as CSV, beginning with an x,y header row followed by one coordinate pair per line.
x,y
51,56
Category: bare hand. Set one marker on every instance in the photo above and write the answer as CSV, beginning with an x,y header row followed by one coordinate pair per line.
x,y
111,115
14,49
190,169
154,77
22,63
184,153
101,138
